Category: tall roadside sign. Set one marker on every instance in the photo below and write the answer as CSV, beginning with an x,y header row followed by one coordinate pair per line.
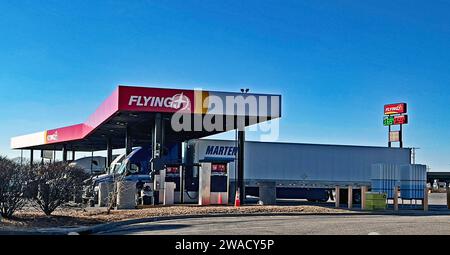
x,y
395,115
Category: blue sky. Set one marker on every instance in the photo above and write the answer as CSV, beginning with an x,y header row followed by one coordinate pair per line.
x,y
335,62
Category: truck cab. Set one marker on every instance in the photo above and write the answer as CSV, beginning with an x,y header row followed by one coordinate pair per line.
x,y
135,167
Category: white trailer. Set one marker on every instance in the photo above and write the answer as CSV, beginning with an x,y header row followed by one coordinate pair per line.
x,y
299,170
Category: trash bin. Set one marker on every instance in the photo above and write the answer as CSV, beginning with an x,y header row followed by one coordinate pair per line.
x,y
126,195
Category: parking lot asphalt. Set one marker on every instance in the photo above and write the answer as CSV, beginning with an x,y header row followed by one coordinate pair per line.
x,y
414,223
294,225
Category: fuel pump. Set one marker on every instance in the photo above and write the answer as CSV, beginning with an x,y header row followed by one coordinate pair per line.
x,y
174,175
214,184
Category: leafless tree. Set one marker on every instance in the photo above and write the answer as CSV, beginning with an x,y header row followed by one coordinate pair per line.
x,y
55,184
112,201
13,183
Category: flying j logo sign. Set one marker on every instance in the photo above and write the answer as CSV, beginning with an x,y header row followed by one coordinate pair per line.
x,y
177,102
155,100
52,136
395,109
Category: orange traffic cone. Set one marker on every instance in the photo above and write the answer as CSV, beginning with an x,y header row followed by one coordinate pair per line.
x,y
237,201
220,199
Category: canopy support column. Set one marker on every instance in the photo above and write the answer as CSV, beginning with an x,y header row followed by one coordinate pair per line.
x,y
64,153
241,160
109,153
157,148
31,157
128,143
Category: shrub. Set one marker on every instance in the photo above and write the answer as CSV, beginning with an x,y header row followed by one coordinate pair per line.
x,y
56,184
14,180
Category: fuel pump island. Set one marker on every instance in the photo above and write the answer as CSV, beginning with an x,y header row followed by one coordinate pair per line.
x,y
141,120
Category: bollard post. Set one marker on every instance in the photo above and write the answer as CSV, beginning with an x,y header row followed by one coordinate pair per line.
x,y
338,196
396,198
350,197
425,200
448,197
363,197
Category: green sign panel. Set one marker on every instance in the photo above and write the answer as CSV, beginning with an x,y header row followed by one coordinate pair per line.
x,y
388,121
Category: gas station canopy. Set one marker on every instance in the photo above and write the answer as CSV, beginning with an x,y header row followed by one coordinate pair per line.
x,y
131,111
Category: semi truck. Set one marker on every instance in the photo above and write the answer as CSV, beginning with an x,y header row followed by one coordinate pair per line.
x,y
300,171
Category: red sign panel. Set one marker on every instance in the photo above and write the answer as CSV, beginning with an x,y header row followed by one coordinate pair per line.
x,y
400,120
156,100
219,169
64,134
395,109
172,170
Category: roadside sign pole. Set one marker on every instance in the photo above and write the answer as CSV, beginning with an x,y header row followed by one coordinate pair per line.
x,y
389,137
401,136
